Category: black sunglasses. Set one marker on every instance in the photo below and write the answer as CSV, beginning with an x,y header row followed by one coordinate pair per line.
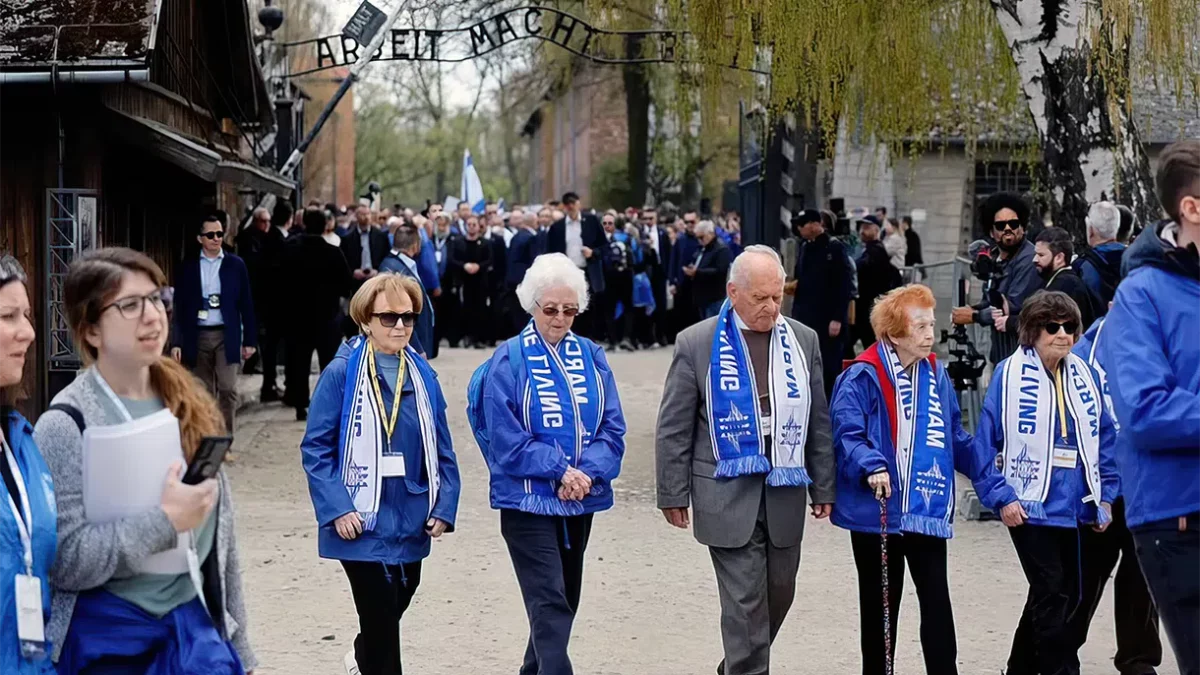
x,y
1052,327
554,311
389,319
1013,225
215,234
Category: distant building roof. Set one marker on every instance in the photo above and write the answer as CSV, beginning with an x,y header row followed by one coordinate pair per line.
x,y
82,31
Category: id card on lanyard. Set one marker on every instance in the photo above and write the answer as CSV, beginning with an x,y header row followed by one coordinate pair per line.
x,y
31,628
193,559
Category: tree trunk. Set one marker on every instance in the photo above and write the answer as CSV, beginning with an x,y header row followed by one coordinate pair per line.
x,y
637,112
1090,147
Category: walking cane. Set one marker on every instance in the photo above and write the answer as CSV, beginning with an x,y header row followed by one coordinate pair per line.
x,y
887,609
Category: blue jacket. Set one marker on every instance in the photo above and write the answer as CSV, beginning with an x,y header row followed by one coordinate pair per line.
x,y
237,309
1064,505
422,336
862,439
427,264
516,456
399,535
1110,255
683,253
521,251
40,490
1151,354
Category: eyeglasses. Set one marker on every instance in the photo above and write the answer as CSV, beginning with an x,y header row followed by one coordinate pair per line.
x,y
390,319
1013,225
215,234
689,222
135,307
552,312
1052,327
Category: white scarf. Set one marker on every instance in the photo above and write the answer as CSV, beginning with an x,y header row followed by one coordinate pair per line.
x,y
364,439
1028,412
1095,363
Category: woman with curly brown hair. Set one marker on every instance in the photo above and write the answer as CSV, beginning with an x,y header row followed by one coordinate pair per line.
x,y
109,611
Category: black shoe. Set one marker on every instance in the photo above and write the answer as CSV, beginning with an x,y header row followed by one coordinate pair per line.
x,y
269,396
301,414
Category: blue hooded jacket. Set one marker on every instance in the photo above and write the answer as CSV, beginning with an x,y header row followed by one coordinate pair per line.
x,y
515,455
40,489
1151,355
399,534
1064,505
862,439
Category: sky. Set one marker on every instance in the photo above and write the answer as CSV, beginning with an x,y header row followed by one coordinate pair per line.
x,y
464,75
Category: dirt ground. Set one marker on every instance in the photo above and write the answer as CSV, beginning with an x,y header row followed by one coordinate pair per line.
x,y
649,601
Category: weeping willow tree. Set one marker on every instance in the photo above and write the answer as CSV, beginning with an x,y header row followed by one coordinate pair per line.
x,y
908,72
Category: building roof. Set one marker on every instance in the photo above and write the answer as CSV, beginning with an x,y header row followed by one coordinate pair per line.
x,y
81,31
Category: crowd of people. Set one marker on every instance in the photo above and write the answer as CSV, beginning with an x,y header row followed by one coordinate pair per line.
x,y
1088,446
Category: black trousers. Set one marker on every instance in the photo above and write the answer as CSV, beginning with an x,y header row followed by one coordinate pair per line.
x,y
1169,560
515,314
661,318
926,558
381,593
270,334
547,554
831,356
499,310
1043,643
447,308
684,314
618,290
476,320
1139,649
324,340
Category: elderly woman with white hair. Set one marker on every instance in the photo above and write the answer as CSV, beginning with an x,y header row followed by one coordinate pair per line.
x,y
553,435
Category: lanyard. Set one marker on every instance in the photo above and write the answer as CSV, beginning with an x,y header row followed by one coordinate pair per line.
x,y
112,395
1058,392
389,423
24,525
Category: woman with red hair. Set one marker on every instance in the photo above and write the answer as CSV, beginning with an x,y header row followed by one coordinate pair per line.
x,y
898,436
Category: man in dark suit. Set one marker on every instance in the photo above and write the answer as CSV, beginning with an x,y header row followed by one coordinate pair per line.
x,y
260,246
710,271
317,277
365,247
472,262
448,305
581,238
821,287
522,250
683,253
658,242
402,259
214,317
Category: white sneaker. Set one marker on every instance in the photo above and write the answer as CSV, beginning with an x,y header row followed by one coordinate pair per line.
x,y
350,663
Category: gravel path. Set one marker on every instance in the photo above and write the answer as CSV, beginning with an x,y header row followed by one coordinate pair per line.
x,y
649,601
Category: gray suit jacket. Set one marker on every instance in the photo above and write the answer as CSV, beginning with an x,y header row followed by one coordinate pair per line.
x,y
725,510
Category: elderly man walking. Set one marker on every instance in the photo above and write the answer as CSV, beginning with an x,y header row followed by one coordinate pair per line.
x,y
741,447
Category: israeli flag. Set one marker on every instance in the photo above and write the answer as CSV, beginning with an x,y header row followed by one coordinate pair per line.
x,y
472,189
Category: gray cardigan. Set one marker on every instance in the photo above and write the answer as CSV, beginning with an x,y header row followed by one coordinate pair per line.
x,y
89,554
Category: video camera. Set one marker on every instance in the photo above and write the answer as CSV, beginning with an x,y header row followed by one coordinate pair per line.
x,y
966,364
985,259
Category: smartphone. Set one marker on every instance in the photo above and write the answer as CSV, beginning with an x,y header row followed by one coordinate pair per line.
x,y
208,458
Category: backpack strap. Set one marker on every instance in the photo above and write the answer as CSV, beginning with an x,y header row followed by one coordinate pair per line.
x,y
514,355
72,412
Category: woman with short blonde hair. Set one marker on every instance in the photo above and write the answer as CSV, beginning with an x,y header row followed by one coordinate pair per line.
x,y
380,463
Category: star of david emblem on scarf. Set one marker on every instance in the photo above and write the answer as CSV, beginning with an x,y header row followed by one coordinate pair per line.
x,y
791,436
1025,468
357,479
934,480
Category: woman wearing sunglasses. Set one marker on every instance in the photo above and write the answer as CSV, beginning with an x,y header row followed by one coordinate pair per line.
x,y
27,513
1045,423
381,467
557,437
113,609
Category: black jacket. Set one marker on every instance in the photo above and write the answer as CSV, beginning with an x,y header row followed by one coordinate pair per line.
x,y
317,277
1017,279
352,248
262,252
823,284
876,276
712,271
478,251
592,234
1067,281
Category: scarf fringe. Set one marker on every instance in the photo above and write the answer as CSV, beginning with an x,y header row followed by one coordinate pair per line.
x,y
788,476
1102,517
742,466
932,527
369,520
1035,510
542,505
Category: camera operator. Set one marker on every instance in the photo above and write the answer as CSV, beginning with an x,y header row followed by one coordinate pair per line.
x,y
1012,276
1052,254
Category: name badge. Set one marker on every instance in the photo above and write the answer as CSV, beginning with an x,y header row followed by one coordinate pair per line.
x,y
202,315
1065,458
765,425
31,631
214,301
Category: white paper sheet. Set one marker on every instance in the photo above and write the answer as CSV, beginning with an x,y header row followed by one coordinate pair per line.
x,y
124,467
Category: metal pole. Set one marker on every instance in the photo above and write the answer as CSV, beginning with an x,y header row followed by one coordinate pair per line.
x,y
357,67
